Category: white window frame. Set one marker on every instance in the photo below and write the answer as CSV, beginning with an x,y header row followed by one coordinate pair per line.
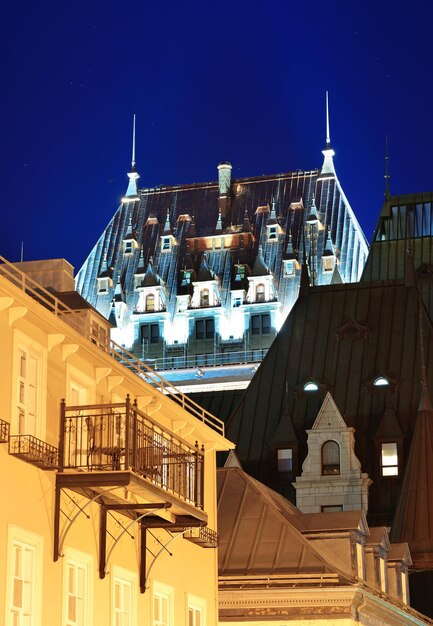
x,y
35,544
161,591
84,561
387,468
127,580
198,605
23,343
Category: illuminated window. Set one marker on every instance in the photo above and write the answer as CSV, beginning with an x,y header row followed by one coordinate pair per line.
x,y
330,458
76,588
122,601
204,297
161,609
328,263
205,329
186,277
104,284
289,267
236,301
311,386
149,333
285,459
389,459
23,577
240,272
27,400
359,560
261,324
150,302
260,293
381,381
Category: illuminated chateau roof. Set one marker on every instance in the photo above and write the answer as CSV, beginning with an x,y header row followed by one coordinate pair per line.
x,y
220,249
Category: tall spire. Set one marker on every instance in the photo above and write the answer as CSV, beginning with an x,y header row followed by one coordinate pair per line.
x,y
328,164
328,134
387,176
132,192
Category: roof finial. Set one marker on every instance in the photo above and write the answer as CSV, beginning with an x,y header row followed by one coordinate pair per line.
x,y
387,176
133,144
328,134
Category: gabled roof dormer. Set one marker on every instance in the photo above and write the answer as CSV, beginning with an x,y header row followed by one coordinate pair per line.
x,y
104,279
152,290
261,282
206,287
331,474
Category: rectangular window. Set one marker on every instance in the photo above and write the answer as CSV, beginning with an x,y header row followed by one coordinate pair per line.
x,y
331,508
102,285
389,459
27,404
289,267
76,588
195,617
186,278
261,324
272,232
149,333
166,243
23,578
122,601
161,609
285,459
205,329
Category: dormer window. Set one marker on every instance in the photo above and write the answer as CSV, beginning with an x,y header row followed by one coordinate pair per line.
x,y
104,284
272,232
389,459
311,386
289,267
260,293
236,301
204,297
186,277
330,458
285,459
328,263
381,381
240,272
127,247
166,244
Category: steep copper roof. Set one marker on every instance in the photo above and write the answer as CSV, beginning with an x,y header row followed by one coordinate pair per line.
x,y
256,535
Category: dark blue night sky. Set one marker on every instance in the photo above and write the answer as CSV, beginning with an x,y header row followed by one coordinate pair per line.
x,y
209,81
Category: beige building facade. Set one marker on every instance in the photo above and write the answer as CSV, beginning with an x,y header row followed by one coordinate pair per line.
x,y
108,483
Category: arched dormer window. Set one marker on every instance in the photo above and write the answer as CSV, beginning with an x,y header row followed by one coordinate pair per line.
x,y
260,293
204,297
330,458
381,381
311,386
150,302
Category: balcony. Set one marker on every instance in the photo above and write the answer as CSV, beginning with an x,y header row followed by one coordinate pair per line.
x,y
119,438
4,431
202,536
33,450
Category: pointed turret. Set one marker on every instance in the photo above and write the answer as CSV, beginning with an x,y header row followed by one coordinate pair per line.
x,y
132,192
246,224
204,272
260,268
328,164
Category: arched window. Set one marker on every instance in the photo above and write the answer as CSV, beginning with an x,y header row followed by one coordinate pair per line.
x,y
150,302
330,458
260,293
381,381
204,297
311,386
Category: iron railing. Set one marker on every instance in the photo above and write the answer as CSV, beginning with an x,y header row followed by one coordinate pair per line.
x,y
4,431
76,319
113,437
34,450
212,359
202,536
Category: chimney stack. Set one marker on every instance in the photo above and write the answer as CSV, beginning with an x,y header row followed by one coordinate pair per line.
x,y
224,182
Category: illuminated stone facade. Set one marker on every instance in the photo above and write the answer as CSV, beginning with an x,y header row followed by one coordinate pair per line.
x,y
108,512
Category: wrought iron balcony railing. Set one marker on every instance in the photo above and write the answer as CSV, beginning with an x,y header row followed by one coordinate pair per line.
x,y
112,437
202,536
35,451
4,431
119,353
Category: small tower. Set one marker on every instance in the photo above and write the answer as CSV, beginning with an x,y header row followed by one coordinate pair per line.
x,y
224,184
132,192
331,478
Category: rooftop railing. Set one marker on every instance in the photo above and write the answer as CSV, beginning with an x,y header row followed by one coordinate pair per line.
x,y
114,437
75,319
